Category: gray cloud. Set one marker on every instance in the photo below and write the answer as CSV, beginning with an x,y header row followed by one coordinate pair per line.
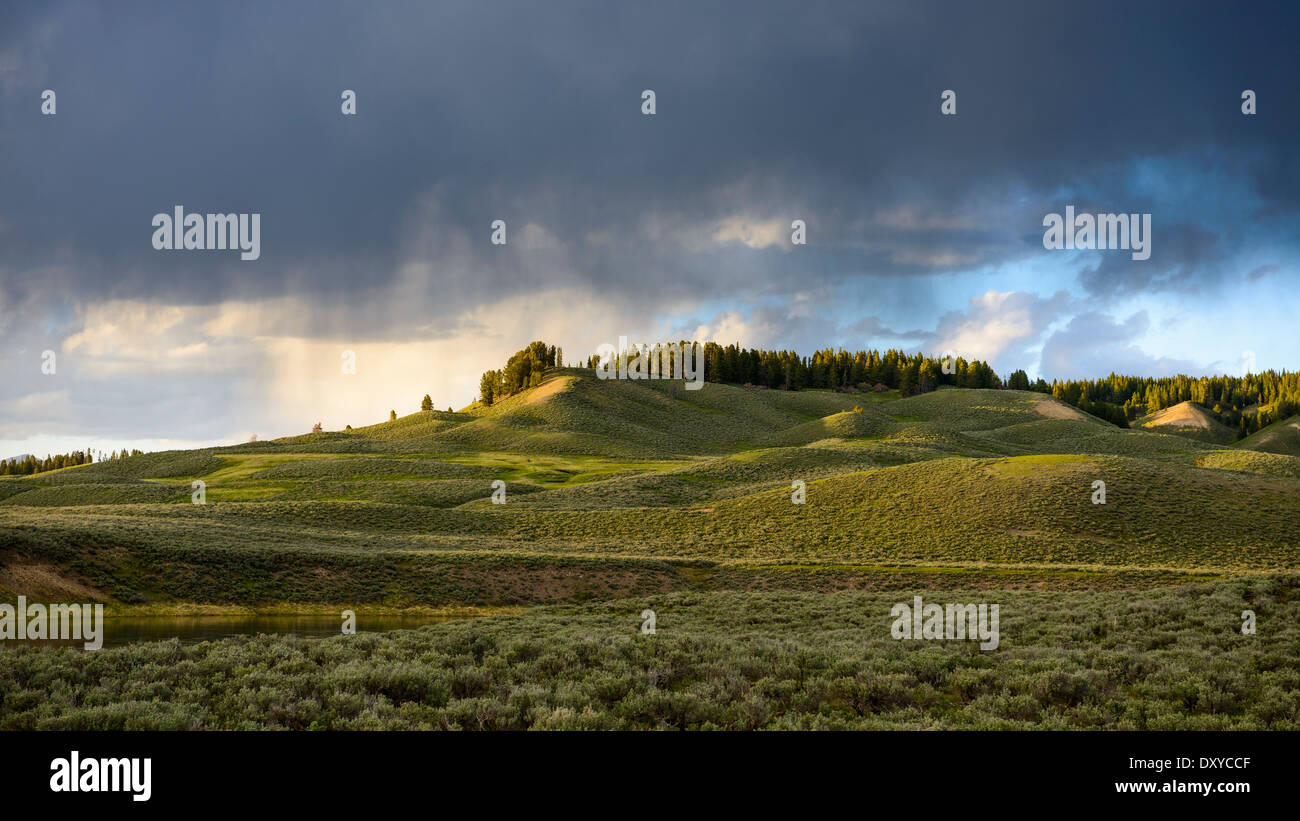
x,y
531,114
1183,257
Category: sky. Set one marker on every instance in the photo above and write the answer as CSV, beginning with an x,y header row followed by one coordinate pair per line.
x,y
924,230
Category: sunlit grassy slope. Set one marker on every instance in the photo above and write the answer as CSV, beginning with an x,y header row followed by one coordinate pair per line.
x,y
624,488
1280,437
1188,419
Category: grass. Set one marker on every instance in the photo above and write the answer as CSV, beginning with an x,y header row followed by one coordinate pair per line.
x,y
1250,461
863,423
955,478
1191,420
1280,437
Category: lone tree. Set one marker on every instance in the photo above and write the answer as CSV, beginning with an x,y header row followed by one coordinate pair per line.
x,y
488,386
392,416
316,428
427,403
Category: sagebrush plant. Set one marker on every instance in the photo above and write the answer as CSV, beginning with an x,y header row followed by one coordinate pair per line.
x,y
1167,659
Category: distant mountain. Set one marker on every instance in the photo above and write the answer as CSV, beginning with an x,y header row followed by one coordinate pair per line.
x,y
17,458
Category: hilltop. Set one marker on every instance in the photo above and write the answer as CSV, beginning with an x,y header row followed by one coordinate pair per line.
x,y
1191,420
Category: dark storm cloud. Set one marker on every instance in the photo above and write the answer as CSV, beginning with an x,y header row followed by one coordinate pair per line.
x,y
528,112
1188,254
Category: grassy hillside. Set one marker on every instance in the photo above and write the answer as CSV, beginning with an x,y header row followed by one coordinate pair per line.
x,y
861,422
1280,437
1191,420
616,487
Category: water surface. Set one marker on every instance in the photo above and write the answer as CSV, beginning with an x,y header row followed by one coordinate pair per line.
x,y
194,629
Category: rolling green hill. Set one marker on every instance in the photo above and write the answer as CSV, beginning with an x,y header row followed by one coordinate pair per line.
x,y
1280,437
864,423
615,487
1188,419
